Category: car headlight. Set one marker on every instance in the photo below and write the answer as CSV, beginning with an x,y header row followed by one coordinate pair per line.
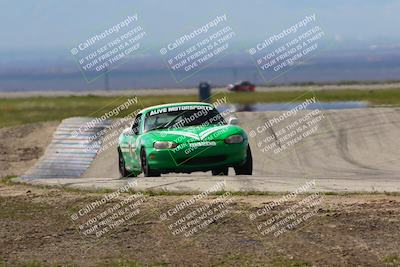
x,y
234,139
164,144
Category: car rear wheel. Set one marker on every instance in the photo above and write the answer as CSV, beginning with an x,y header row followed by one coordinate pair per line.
x,y
121,166
247,167
147,171
220,171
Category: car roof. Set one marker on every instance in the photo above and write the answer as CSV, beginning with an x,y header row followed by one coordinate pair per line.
x,y
145,110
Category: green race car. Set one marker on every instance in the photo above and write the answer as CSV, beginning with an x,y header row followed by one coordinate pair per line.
x,y
183,137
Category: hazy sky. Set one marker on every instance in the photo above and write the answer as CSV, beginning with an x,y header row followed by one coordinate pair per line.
x,y
62,24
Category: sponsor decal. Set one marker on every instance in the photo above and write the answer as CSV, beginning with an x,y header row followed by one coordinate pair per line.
x,y
205,143
178,108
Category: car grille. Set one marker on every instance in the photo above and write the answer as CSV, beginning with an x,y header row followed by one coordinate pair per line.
x,y
201,160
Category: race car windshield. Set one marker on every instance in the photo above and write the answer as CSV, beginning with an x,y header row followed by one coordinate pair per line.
x,y
185,118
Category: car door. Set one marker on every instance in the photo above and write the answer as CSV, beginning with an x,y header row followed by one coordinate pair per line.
x,y
133,143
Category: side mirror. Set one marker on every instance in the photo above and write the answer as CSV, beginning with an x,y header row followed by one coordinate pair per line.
x,y
127,131
233,121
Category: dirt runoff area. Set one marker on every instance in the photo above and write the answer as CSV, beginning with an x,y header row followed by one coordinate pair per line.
x,y
55,227
21,146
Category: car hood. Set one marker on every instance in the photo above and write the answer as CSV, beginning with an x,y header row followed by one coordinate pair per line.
x,y
196,133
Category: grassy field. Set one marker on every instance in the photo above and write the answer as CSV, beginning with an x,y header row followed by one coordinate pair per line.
x,y
36,230
35,109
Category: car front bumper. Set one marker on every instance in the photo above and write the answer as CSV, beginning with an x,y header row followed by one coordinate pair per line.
x,y
185,158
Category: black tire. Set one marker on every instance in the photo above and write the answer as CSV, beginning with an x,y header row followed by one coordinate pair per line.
x,y
220,171
121,166
247,167
147,171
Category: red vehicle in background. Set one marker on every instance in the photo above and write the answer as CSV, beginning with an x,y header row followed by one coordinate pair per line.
x,y
244,86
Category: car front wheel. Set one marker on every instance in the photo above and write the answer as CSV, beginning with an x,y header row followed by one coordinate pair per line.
x,y
121,166
247,167
147,171
220,171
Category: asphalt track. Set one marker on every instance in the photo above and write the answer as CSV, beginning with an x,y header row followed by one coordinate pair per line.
x,y
354,150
